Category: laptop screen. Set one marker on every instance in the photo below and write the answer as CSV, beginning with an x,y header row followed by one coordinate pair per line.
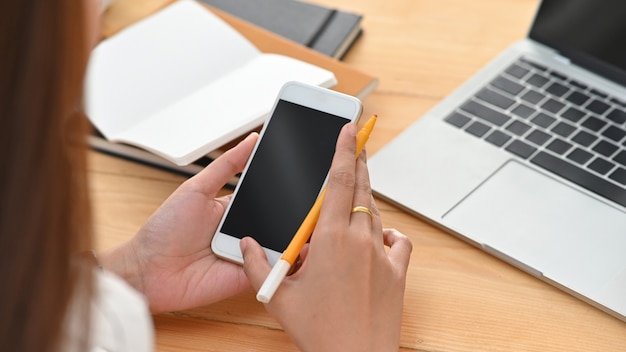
x,y
591,33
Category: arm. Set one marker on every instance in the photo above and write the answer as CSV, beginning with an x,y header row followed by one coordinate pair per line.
x,y
170,259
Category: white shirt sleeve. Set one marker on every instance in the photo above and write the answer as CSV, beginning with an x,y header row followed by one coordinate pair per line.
x,y
120,318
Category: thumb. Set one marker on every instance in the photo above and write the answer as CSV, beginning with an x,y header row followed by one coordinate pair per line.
x,y
255,263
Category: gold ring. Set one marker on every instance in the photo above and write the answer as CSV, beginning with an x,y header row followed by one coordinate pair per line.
x,y
362,209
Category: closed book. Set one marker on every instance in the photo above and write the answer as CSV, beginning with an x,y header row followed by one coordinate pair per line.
x,y
327,30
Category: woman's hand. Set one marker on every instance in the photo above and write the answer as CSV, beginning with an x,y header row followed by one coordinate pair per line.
x,y
170,259
348,294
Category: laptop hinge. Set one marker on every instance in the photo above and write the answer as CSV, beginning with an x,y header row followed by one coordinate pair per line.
x,y
562,59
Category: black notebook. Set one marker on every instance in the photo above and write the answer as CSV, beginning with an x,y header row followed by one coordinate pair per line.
x,y
327,30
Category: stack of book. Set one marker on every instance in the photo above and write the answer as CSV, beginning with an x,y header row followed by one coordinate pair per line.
x,y
140,126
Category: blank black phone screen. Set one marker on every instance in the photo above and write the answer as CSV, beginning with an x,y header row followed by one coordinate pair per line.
x,y
285,176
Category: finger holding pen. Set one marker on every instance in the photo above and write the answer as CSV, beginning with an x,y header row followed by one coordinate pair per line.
x,y
348,294
356,143
347,148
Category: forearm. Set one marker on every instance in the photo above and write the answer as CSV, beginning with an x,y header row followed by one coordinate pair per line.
x,y
123,261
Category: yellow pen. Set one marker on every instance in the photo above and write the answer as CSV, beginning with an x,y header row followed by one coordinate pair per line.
x,y
289,256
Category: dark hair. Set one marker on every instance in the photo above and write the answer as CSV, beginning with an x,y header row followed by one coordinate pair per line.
x,y
44,212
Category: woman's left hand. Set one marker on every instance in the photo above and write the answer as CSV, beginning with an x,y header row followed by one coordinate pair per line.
x,y
170,259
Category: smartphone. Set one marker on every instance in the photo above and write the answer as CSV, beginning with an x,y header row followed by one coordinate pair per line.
x,y
288,169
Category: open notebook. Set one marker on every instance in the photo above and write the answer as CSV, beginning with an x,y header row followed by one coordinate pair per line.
x,y
182,83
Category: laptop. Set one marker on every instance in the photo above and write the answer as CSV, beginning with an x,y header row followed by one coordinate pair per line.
x,y
527,159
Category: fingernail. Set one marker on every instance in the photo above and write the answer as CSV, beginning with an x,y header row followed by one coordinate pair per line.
x,y
352,129
243,244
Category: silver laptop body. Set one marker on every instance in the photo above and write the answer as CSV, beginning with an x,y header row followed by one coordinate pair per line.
x,y
528,185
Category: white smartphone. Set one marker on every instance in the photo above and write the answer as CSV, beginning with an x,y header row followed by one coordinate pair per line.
x,y
287,170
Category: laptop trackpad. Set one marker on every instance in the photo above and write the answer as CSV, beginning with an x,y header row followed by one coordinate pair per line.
x,y
551,227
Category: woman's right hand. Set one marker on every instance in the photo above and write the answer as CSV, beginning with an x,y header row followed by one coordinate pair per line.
x,y
348,294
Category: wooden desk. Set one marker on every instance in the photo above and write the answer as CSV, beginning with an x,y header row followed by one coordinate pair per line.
x,y
457,298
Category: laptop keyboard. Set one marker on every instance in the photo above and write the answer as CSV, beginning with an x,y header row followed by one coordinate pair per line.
x,y
554,122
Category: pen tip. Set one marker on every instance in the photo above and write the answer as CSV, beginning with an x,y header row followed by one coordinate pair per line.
x,y
372,120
